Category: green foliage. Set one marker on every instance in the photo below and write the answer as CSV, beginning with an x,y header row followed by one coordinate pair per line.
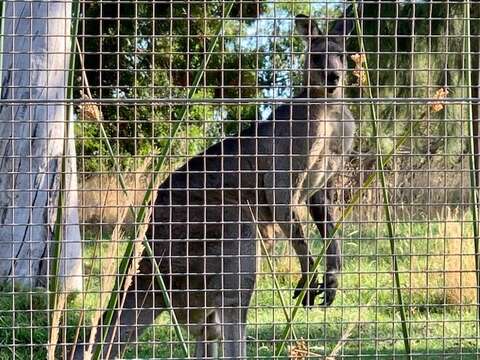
x,y
24,321
152,62
365,248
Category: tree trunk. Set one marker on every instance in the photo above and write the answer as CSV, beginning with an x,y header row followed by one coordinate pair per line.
x,y
34,135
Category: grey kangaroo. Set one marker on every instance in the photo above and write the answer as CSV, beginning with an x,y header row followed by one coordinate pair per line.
x,y
204,221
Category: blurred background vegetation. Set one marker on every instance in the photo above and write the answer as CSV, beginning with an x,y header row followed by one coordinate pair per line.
x,y
149,52
140,60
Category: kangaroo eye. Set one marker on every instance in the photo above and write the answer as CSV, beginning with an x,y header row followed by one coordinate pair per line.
x,y
318,59
335,55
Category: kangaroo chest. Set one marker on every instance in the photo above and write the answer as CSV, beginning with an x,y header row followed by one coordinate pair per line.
x,y
330,136
330,131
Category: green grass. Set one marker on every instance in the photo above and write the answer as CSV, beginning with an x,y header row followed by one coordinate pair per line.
x,y
364,313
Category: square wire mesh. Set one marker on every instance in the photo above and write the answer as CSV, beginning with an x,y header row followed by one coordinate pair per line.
x,y
239,179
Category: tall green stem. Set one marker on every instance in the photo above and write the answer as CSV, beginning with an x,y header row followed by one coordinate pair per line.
x,y
381,161
381,173
57,294
58,226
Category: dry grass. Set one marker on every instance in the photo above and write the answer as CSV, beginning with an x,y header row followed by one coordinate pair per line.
x,y
447,276
103,200
359,71
418,192
301,351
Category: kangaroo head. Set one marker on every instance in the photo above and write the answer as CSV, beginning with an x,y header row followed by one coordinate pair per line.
x,y
324,59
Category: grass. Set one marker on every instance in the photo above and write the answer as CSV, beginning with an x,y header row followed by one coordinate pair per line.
x,y
436,262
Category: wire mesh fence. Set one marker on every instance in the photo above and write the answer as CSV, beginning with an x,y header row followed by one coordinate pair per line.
x,y
239,179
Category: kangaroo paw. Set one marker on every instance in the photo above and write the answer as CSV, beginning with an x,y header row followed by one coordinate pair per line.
x,y
311,293
328,288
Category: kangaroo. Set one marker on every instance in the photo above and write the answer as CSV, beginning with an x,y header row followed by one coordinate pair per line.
x,y
204,220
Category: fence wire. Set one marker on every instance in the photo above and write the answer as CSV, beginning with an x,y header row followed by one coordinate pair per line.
x,y
239,179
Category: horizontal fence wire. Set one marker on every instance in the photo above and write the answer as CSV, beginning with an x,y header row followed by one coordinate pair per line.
x,y
239,179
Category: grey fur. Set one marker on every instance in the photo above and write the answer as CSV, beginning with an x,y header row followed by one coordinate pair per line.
x,y
203,232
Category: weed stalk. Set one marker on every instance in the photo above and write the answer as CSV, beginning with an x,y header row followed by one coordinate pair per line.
x,y
381,173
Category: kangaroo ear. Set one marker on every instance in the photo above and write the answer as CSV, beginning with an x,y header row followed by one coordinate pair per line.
x,y
342,27
306,26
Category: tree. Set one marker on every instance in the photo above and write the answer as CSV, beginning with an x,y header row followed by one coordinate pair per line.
x,y
158,61
34,137
418,54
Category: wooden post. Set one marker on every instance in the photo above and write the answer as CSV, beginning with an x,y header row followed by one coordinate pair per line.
x,y
33,139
